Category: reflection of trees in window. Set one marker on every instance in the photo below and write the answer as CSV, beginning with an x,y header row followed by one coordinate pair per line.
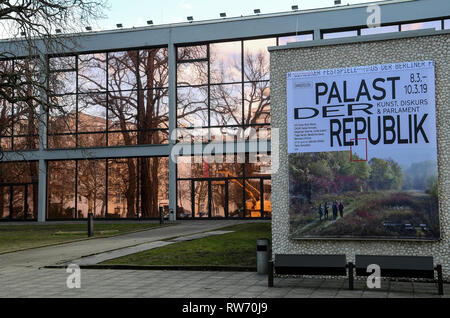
x,y
237,93
19,105
112,188
92,187
122,188
61,190
15,173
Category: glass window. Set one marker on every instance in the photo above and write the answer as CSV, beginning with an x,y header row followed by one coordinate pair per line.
x,y
294,38
186,53
92,112
257,103
258,165
154,186
192,106
122,111
210,167
28,74
91,188
18,193
122,188
62,63
235,198
61,190
6,124
257,59
184,198
384,29
267,196
122,70
344,34
92,72
5,202
226,62
218,199
192,74
62,120
62,83
226,105
447,24
19,172
437,25
154,68
201,199
253,198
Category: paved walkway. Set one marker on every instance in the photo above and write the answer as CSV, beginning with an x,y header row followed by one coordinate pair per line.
x,y
26,282
22,275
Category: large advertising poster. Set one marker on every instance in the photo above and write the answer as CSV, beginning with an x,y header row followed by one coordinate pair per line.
x,y
363,152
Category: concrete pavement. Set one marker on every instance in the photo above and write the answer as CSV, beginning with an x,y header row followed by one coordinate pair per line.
x,y
22,275
51,283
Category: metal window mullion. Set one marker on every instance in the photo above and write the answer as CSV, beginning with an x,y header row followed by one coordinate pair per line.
x,y
138,192
106,187
25,203
77,94
209,199
242,83
193,198
138,97
76,189
107,101
11,198
261,196
209,90
227,199
12,105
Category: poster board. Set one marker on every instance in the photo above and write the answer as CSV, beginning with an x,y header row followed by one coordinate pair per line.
x,y
363,152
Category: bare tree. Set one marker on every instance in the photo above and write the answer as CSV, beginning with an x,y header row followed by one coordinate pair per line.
x,y
30,26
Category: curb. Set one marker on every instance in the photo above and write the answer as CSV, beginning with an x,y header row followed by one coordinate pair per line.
x,y
196,268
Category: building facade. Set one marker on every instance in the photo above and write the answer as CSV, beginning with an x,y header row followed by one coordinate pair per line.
x,y
129,99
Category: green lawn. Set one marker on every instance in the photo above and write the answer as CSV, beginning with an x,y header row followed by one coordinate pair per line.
x,y
233,249
19,237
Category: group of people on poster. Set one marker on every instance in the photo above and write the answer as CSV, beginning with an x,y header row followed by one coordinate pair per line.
x,y
336,208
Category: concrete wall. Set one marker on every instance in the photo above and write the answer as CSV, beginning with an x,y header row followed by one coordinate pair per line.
x,y
381,49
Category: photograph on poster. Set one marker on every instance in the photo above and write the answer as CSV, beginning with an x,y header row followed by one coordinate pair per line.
x,y
363,152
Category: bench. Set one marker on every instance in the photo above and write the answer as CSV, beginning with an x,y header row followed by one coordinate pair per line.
x,y
400,266
294,264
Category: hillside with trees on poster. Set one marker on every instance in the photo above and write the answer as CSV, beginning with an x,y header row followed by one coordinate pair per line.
x,y
332,196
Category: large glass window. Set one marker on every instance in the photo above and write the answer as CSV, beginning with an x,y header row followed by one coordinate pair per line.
x,y
224,85
19,109
19,190
109,99
108,188
224,187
